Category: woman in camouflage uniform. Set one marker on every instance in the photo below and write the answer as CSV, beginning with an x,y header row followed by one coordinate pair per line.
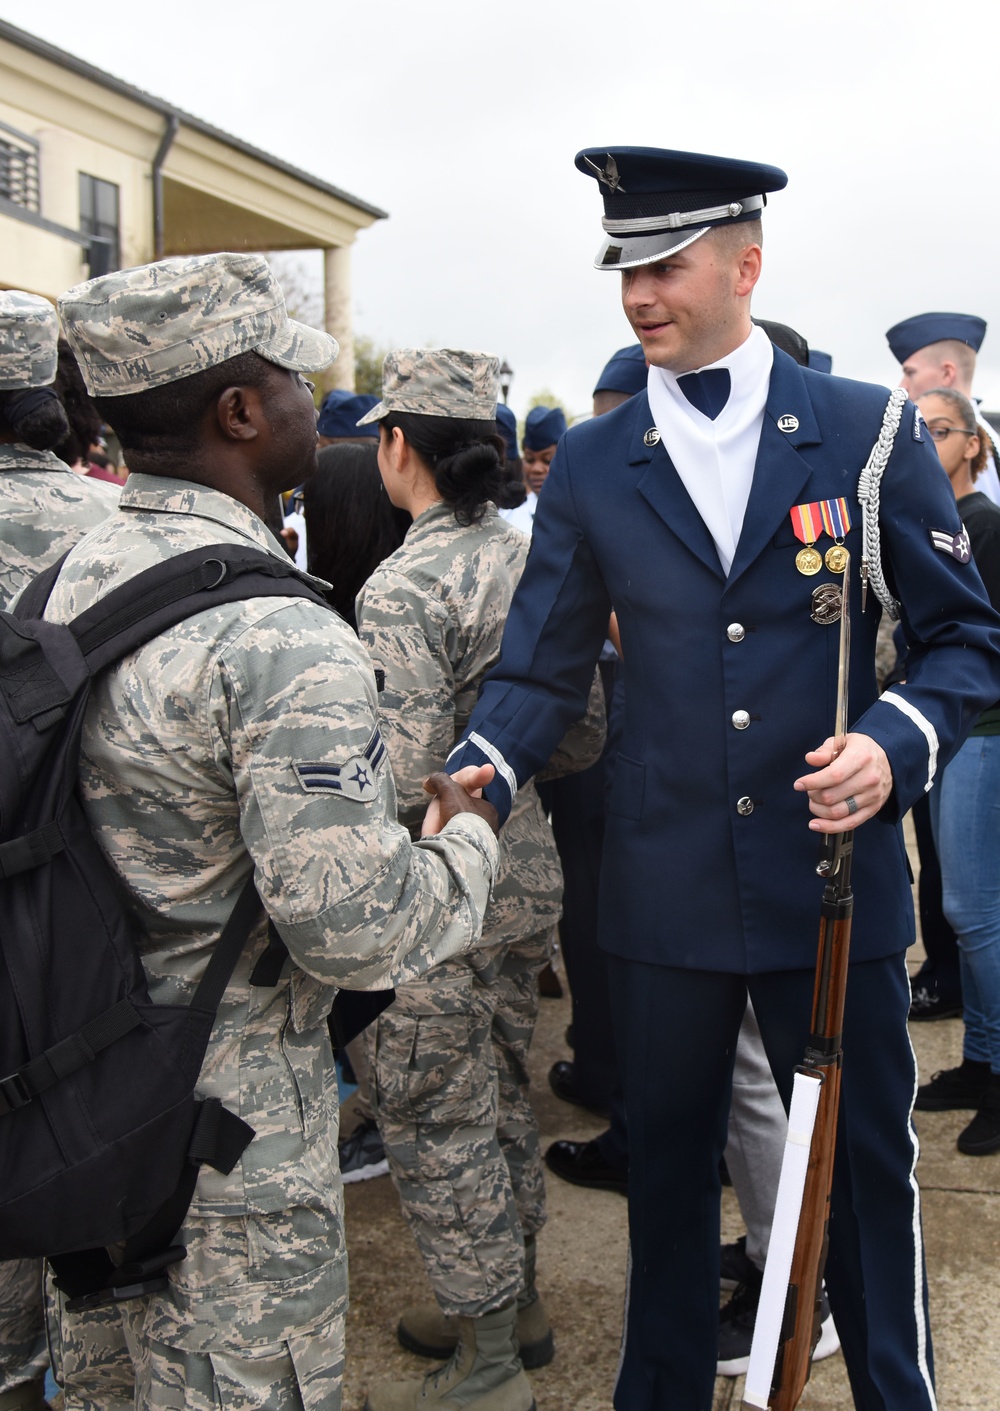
x,y
449,1057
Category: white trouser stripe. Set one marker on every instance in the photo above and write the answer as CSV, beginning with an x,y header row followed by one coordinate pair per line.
x,y
923,725
495,758
919,1315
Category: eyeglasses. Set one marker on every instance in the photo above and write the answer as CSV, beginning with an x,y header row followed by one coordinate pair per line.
x,y
941,433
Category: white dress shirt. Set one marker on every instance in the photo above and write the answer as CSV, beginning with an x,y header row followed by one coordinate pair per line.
x,y
715,459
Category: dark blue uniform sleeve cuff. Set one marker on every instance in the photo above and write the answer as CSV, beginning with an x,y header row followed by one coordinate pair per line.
x,y
500,793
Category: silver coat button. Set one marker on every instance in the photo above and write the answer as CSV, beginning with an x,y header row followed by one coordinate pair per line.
x,y
736,632
741,719
744,806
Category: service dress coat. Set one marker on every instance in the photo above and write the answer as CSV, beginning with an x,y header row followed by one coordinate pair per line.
x,y
709,862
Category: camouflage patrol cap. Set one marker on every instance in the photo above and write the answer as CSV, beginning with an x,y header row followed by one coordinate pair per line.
x,y
144,327
29,334
438,382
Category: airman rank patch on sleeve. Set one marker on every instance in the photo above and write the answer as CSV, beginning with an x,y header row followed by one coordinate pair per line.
x,y
955,544
356,778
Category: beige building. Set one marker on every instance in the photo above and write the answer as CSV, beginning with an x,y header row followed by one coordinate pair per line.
x,y
98,175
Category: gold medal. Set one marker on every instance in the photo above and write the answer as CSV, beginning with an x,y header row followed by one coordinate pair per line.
x,y
836,558
808,561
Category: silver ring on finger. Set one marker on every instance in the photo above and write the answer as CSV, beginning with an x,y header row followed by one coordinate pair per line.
x,y
852,804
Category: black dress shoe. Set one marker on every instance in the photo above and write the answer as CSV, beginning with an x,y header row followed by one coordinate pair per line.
x,y
562,1084
929,1003
582,1164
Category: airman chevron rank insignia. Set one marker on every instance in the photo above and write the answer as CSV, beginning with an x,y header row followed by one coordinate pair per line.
x,y
955,544
355,779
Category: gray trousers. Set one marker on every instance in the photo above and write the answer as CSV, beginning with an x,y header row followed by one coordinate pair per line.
x,y
757,1128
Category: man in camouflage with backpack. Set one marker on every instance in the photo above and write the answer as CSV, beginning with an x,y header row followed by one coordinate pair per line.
x,y
244,739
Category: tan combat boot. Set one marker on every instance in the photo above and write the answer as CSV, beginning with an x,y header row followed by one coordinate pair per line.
x,y
425,1330
483,1374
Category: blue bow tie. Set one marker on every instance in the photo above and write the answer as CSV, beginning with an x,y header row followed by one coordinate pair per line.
x,y
708,391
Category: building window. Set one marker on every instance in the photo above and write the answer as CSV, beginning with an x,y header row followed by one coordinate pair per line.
x,y
19,168
99,220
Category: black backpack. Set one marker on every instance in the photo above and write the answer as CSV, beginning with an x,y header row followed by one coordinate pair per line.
x,y
100,1133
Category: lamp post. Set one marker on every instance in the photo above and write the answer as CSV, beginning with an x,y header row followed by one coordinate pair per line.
x,y
506,375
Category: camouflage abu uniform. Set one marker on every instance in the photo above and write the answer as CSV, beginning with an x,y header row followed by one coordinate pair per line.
x,y
45,510
191,773
449,1057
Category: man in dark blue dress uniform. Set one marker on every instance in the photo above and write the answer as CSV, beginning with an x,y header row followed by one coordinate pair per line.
x,y
704,512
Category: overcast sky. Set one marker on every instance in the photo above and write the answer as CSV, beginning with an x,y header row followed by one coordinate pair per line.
x,y
462,121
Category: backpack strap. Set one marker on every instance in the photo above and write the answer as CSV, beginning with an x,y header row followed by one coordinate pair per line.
x,y
33,598
168,592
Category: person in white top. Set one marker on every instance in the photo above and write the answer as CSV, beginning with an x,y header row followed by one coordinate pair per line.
x,y
542,430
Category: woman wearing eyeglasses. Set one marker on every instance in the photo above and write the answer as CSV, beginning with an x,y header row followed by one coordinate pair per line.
x,y
965,809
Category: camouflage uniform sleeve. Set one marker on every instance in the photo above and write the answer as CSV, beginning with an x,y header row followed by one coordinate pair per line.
x,y
409,634
293,715
583,742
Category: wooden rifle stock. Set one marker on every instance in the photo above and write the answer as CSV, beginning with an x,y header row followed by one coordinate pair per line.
x,y
821,1061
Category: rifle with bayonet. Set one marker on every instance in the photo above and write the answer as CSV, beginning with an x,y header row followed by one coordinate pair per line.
x,y
788,1315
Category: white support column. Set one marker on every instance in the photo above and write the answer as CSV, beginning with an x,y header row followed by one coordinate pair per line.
x,y
337,314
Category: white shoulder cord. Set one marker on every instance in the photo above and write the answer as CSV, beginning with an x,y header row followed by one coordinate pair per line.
x,y
868,495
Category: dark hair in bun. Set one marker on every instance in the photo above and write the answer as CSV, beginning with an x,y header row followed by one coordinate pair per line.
x,y
465,457
35,416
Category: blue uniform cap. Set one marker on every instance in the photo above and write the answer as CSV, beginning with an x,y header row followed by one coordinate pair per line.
x,y
656,201
543,427
507,428
820,362
626,371
912,334
340,413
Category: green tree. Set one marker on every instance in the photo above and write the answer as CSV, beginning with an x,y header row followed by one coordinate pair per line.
x,y
368,359
545,398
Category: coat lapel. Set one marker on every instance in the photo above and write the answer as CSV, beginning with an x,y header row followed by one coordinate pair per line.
x,y
662,488
780,473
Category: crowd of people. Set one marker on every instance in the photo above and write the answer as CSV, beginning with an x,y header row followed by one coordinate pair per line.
x,y
570,682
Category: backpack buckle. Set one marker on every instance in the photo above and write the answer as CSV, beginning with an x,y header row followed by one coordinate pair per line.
x,y
14,1093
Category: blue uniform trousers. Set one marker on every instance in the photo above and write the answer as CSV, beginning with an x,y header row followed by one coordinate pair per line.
x,y
676,1031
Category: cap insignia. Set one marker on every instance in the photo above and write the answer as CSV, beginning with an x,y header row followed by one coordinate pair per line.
x,y
608,174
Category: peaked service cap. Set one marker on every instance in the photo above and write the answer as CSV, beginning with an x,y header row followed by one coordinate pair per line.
x,y
507,429
625,371
912,334
29,337
657,201
339,413
438,382
542,427
141,328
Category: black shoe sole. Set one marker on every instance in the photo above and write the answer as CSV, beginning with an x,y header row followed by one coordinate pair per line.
x,y
620,1187
980,1148
947,1104
925,1016
533,1354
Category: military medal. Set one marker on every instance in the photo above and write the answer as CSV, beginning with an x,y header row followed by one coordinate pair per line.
x,y
826,602
837,522
808,525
